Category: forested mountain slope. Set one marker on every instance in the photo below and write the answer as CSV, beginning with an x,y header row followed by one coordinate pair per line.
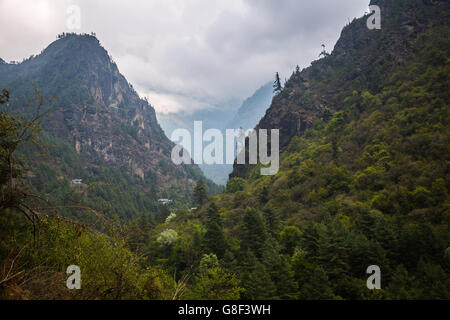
x,y
98,130
364,176
361,61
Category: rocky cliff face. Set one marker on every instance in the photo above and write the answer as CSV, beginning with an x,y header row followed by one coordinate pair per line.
x,y
357,63
99,113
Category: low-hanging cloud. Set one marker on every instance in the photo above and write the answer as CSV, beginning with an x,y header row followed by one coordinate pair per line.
x,y
187,54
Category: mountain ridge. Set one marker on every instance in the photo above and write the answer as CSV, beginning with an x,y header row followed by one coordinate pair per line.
x,y
354,65
100,114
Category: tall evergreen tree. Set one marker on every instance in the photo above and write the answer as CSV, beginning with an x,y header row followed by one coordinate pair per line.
x,y
200,193
317,287
290,239
258,284
283,276
272,219
277,84
214,237
253,232
263,197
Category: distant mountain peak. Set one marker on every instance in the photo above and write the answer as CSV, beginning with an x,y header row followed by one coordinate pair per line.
x,y
78,62
100,114
73,41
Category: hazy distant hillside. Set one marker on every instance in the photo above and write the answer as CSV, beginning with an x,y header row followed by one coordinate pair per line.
x,y
226,117
215,117
253,108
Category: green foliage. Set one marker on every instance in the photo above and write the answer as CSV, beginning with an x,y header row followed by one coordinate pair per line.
x,y
234,185
209,261
366,186
273,221
290,239
214,282
108,269
258,284
200,194
253,233
167,237
214,239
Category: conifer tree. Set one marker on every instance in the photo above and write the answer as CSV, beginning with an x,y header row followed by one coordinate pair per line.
x,y
283,277
277,84
290,238
253,232
258,284
263,196
317,286
272,219
200,193
214,237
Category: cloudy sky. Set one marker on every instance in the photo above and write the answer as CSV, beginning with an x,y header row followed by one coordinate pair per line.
x,y
186,54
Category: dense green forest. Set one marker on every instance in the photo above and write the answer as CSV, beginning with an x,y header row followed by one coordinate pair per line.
x,y
367,184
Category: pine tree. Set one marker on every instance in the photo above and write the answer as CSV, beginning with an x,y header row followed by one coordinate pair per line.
x,y
277,88
200,193
253,232
333,249
258,284
283,277
400,285
214,238
273,221
290,239
432,282
263,196
317,286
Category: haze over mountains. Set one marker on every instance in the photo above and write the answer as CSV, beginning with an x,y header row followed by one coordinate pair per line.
x,y
224,117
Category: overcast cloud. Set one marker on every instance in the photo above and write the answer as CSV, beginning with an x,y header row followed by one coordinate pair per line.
x,y
187,54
